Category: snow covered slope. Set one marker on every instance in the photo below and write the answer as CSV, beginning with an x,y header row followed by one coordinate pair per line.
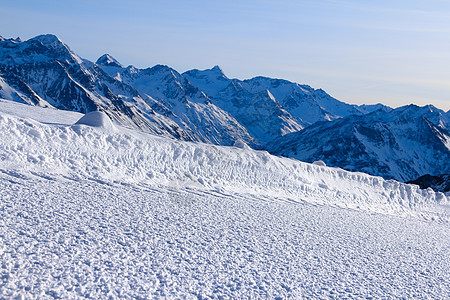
x,y
403,143
84,239
95,210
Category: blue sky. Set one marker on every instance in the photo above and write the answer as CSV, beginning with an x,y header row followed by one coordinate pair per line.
x,y
394,52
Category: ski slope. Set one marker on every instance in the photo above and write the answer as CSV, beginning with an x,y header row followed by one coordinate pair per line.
x,y
103,211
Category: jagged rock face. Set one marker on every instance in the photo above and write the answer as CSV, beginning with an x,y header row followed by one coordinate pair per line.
x,y
260,113
439,183
54,82
401,144
172,95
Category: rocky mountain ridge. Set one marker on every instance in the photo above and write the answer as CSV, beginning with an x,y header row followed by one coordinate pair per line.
x,y
403,143
439,183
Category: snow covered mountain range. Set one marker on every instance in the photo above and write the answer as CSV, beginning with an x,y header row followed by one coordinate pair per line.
x,y
285,117
196,105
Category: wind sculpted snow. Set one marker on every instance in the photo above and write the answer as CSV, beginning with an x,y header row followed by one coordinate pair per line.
x,y
83,151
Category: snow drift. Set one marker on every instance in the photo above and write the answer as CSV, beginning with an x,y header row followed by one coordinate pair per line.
x,y
126,156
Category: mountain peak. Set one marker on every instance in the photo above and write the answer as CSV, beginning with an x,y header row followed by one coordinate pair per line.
x,y
108,61
217,69
51,41
47,39
214,73
46,47
370,108
414,109
431,108
16,40
413,112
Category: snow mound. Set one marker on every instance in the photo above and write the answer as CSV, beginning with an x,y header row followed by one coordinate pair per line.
x,y
97,119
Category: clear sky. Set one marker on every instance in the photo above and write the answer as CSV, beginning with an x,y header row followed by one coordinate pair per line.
x,y
390,51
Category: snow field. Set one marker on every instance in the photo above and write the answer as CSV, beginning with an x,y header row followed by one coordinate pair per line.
x,y
83,239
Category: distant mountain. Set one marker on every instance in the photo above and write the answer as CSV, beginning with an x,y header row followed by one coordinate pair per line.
x,y
403,143
439,183
170,94
270,108
108,61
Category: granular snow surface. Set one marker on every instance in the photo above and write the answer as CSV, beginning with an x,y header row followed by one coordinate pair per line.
x,y
92,213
